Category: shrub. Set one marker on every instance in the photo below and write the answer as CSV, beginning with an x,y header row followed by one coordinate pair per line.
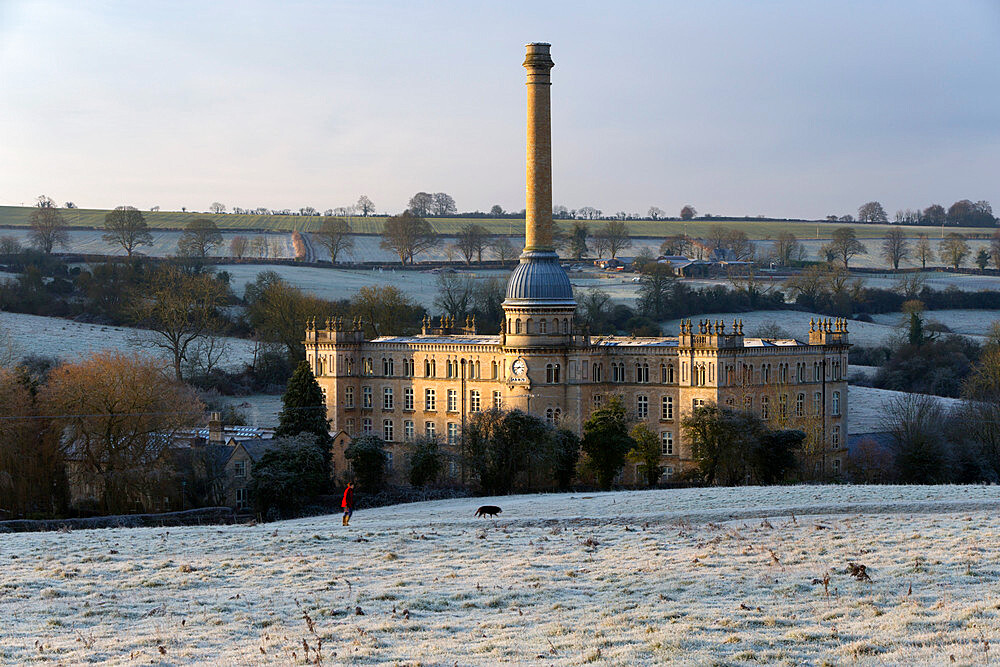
x,y
368,458
425,463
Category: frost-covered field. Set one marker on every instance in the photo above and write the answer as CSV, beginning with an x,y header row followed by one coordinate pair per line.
x,y
89,241
698,576
70,341
866,407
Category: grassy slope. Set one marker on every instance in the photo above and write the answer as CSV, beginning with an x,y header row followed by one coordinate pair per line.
x,y
17,216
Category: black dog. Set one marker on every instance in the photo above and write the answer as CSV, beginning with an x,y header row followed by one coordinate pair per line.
x,y
488,510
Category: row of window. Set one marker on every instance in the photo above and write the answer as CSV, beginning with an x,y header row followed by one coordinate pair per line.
x,y
409,429
430,399
514,325
800,405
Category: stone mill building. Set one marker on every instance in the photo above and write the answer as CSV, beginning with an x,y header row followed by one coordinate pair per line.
x,y
543,362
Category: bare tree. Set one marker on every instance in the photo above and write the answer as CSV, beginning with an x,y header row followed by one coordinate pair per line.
x,y
471,241
421,204
217,207
589,213
118,414
503,250
787,248
454,294
924,252
872,212
335,235
844,245
655,212
200,238
443,204
178,310
126,227
678,244
258,246
406,235
9,246
239,246
953,249
47,228
365,205
613,236
895,247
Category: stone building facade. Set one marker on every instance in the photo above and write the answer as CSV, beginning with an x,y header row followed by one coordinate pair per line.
x,y
543,362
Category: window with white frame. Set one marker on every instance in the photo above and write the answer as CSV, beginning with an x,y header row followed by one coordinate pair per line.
x,y
836,466
242,498
765,407
835,404
388,462
667,407
240,469
474,401
430,430
835,436
409,431
497,400
452,433
366,397
817,402
430,399
387,398
697,403
366,425
388,367
783,406
667,443
408,398
452,400
642,372
642,406
349,427
800,404
387,430
348,397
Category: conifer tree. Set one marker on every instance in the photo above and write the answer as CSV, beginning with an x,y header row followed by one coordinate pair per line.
x,y
304,410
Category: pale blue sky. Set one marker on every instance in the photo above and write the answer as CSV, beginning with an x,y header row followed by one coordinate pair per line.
x,y
771,107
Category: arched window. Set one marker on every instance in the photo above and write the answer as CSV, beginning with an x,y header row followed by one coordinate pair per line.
x,y
555,373
556,415
427,368
550,416
835,404
565,328
517,325
596,372
493,370
552,373
477,376
543,326
387,367
529,326
434,370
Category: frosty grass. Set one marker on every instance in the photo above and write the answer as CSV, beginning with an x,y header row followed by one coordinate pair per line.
x,y
725,576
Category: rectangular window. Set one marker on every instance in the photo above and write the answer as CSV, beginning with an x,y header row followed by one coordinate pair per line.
x,y
240,469
387,430
667,408
669,471
430,399
817,402
430,430
642,406
366,425
408,430
349,397
452,433
452,400
667,443
835,437
366,397
497,400
387,402
697,403
765,412
836,466
408,398
241,498
350,427
388,461
596,400
474,401
783,406
836,404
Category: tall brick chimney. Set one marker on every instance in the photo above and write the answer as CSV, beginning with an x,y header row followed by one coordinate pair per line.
x,y
538,204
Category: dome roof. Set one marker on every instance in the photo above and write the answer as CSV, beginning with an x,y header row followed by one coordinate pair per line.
x,y
540,278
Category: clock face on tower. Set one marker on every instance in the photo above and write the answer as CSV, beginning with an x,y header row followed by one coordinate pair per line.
x,y
519,367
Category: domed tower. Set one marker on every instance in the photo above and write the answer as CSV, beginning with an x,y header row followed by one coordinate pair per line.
x,y
539,303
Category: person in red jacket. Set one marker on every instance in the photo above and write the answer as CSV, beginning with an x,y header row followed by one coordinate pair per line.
x,y
348,503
